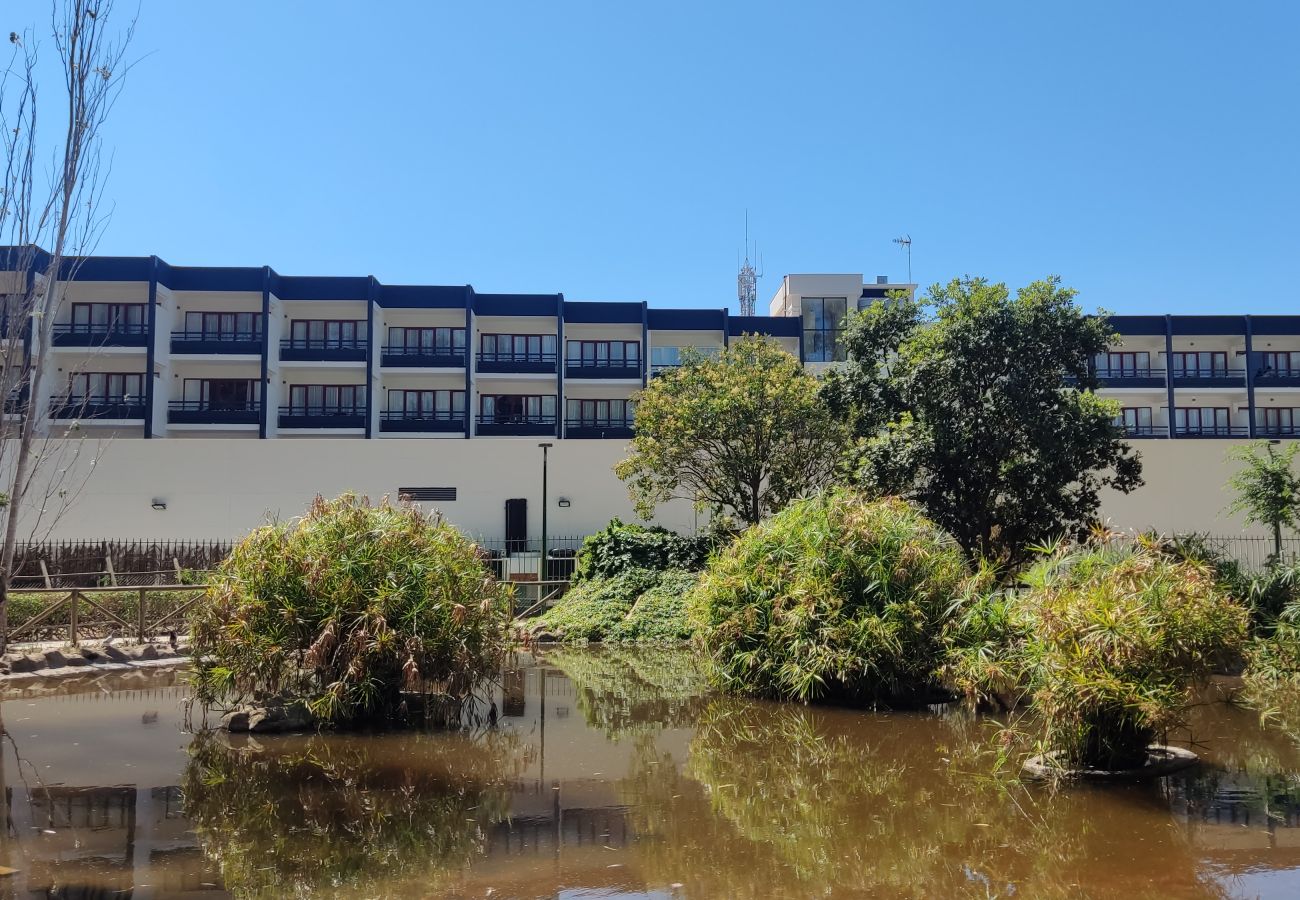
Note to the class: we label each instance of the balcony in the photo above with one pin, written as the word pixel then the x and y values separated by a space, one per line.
pixel 1212 431
pixel 1273 378
pixel 522 363
pixel 516 425
pixel 1209 378
pixel 398 356
pixel 1131 378
pixel 608 429
pixel 324 349
pixel 603 368
pixel 68 334
pixel 1146 431
pixel 399 421
pixel 322 417
pixel 206 412
pixel 96 408
pixel 1277 431
pixel 245 343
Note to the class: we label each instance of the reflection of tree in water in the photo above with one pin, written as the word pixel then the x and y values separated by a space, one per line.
pixel 345 816
pixel 790 801
pixel 631 690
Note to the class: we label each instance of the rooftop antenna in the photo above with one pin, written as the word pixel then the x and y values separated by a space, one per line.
pixel 906 242
pixel 747 280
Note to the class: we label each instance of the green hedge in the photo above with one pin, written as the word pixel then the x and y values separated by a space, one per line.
pixel 620 548
pixel 637 606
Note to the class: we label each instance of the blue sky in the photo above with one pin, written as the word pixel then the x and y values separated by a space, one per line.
pixel 1146 152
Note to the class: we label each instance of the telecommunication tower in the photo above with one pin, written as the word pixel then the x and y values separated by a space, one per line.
pixel 747 280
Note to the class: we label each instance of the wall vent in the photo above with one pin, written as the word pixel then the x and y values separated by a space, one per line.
pixel 427 494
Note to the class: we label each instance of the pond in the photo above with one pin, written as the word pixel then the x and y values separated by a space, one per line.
pixel 615 774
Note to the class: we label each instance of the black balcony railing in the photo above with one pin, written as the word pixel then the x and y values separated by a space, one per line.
pixel 97 408
pixel 323 416
pixel 1211 431
pixel 602 368
pixel 1145 431
pixel 516 424
pixel 207 412
pixel 1124 374
pixel 107 334
pixel 398 355
pixel 1277 430
pixel 597 428
pixel 1212 377
pixel 516 363
pixel 403 420
pixel 324 349
pixel 242 342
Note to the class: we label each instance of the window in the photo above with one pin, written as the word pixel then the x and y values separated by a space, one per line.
pixel 1202 420
pixel 1124 365
pixel 1279 363
pixel 223 393
pixel 106 387
pixel 517 408
pixel 603 354
pixel 212 326
pixel 823 325
pixel 419 404
pixel 517 347
pixel 426 341
pixel 1200 365
pixel 1277 420
pixel 1135 419
pixel 128 318
pixel 327 399
pixel 671 357
pixel 600 413
pixel 327 334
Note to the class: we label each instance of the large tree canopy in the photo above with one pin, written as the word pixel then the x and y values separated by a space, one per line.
pixel 980 406
pixel 743 433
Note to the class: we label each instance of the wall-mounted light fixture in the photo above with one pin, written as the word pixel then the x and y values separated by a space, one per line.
pixel 159 503
pixel 564 501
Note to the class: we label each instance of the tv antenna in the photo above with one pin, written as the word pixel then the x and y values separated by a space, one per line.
pixel 906 242
pixel 747 280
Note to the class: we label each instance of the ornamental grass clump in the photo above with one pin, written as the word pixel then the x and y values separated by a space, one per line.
pixel 836 597
pixel 365 612
pixel 1107 642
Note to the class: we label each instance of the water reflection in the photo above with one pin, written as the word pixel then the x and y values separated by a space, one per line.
pixel 616 775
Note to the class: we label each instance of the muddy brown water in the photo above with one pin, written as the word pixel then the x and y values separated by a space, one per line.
pixel 614 775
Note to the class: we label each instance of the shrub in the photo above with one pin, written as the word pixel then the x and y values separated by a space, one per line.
pixel 354 608
pixel 638 605
pixel 835 597
pixel 1107 641
pixel 619 548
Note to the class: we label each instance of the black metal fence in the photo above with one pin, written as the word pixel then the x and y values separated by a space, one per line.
pixel 1253 553
pixel 74 564
pixel 521 560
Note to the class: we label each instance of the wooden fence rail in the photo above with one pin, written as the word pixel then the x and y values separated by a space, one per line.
pixel 91 601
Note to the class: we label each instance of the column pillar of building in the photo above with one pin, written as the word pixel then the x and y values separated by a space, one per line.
pixel 1250 377
pixel 1169 372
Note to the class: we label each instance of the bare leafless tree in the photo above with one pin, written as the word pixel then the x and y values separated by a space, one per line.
pixel 51 219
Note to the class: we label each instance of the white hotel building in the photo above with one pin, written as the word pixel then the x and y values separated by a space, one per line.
pixel 192 387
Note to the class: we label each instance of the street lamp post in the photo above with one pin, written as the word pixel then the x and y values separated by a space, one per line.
pixel 541 572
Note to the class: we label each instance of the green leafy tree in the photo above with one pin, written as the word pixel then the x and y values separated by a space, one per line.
pixel 1268 488
pixel 745 432
pixel 980 406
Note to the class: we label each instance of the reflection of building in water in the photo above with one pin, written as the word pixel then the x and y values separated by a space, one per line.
pixel 1230 818
pixel 513 703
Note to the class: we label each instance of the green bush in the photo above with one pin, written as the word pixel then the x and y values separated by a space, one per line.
pixel 619 548
pixel 836 598
pixel 1107 642
pixel 638 605
pixel 354 608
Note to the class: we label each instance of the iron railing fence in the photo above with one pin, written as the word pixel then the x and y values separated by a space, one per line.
pixel 1252 552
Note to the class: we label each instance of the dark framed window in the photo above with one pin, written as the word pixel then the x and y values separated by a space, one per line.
pixel 223 393
pixel 422 404
pixel 518 347
pixel 524 408
pixel 106 387
pixel 327 399
pixel 1278 419
pixel 428 341
pixel 216 326
pixel 1280 362
pixel 603 354
pixel 823 327
pixel 106 316
pixel 1203 419
pixel 327 334
pixel 600 413
pixel 1200 363
pixel 1124 364
pixel 1135 419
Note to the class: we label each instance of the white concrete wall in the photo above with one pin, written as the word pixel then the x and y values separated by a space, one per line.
pixel 221 488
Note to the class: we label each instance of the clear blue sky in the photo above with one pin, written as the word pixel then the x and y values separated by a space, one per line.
pixel 1146 152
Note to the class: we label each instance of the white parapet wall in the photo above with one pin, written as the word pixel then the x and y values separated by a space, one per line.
pixel 217 488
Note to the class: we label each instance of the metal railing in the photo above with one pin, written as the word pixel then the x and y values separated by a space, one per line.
pixel 323 410
pixel 431 415
pixel 1111 374
pixel 217 337
pixel 359 343
pixel 214 406
pixel 510 356
pixel 1211 431
pixel 99 328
